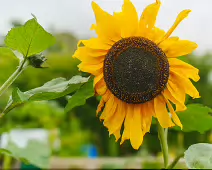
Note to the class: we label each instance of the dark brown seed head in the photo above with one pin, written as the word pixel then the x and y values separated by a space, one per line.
pixel 136 70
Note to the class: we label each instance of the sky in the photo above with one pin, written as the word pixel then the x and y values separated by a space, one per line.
pixel 76 16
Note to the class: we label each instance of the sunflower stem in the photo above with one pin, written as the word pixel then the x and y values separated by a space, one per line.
pixel 162 135
pixel 7 160
pixel 172 165
pixel 166 133
pixel 13 77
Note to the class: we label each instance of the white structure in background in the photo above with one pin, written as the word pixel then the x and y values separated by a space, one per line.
pixel 21 137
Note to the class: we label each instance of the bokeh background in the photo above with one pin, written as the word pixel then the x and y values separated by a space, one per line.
pixel 79 135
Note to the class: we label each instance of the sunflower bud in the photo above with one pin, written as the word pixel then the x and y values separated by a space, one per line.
pixel 37 60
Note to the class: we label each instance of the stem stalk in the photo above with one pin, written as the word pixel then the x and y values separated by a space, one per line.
pixel 164 145
pixel 13 77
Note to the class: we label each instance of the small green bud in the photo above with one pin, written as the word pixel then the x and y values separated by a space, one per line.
pixel 37 60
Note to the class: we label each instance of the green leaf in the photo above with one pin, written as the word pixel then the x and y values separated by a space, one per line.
pixel 5 151
pixel 4 51
pixel 36 153
pixel 29 39
pixel 79 98
pixel 53 89
pixel 196 118
pixel 199 156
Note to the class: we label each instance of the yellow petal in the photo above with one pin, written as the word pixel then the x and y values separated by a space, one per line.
pixel 180 106
pixel 147 111
pixel 110 108
pixel 107 95
pixel 84 57
pixel 179 48
pixel 117 134
pixel 100 106
pixel 181 16
pixel 82 52
pixel 162 113
pixel 127 122
pixel 88 55
pixel 112 111
pixel 148 121
pixel 129 20
pixel 93 27
pixel 185 84
pixel 95 43
pixel 94 69
pixel 156 35
pixel 136 134
pixel 98 78
pixel 92 60
pixel 116 121
pixel 101 87
pixel 150 108
pixel 176 91
pixel 174 115
pixel 182 67
pixel 106 26
pixel 148 18
pixel 118 17
pixel 167 43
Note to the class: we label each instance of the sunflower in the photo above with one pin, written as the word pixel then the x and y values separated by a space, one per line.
pixel 137 71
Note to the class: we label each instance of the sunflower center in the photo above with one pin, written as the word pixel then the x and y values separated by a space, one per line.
pixel 136 70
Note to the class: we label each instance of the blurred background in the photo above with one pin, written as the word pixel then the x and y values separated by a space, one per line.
pixel 79 135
